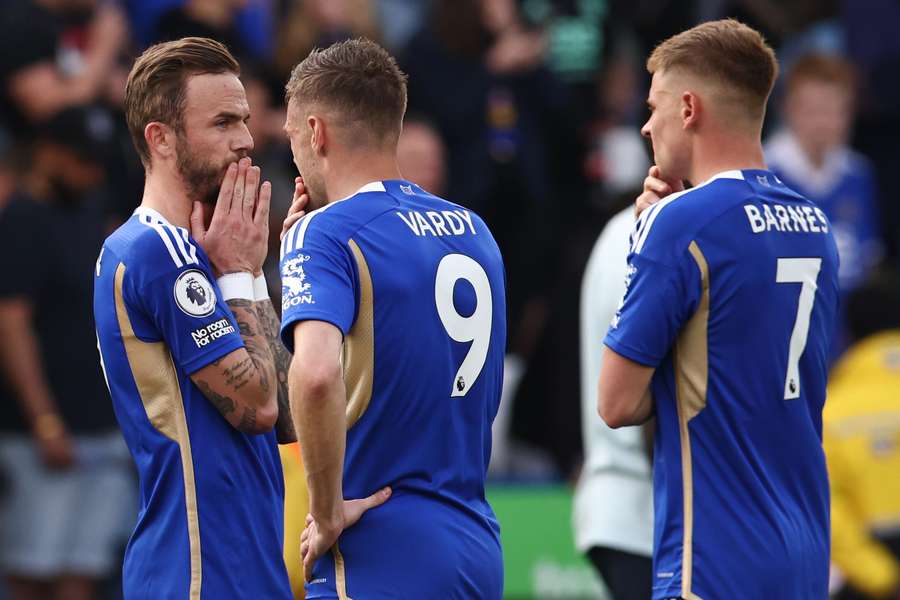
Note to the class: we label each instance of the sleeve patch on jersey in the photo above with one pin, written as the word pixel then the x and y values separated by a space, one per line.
pixel 295 290
pixel 194 294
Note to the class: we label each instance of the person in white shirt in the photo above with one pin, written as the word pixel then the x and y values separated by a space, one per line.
pixel 613 511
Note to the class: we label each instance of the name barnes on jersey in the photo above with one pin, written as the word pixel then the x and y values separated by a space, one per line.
pixel 785 218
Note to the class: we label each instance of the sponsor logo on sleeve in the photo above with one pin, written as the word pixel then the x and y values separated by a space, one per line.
pixel 295 290
pixel 194 294
pixel 211 332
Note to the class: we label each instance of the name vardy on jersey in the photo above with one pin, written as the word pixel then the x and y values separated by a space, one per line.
pixel 437 224
pixel 786 218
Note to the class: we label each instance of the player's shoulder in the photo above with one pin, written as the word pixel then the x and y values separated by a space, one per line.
pixel 338 220
pixel 150 246
pixel 672 223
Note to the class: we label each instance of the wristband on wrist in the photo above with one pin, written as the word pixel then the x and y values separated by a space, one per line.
pixel 260 289
pixel 236 286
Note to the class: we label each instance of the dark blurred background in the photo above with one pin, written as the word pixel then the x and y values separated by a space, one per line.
pixel 526 111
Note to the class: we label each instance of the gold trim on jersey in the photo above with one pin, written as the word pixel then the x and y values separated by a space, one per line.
pixel 157 383
pixel 359 345
pixel 691 380
pixel 340 573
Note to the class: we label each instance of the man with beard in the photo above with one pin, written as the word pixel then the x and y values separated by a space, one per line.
pixel 189 339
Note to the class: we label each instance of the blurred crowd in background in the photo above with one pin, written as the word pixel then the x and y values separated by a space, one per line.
pixel 527 111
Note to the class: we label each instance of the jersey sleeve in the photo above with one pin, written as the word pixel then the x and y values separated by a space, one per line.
pixel 661 295
pixel 183 306
pixel 318 279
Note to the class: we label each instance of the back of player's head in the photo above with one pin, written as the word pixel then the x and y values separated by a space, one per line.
pixel 155 90
pixel 825 68
pixel 360 83
pixel 727 53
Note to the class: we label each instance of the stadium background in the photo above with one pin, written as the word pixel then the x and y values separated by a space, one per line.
pixel 525 111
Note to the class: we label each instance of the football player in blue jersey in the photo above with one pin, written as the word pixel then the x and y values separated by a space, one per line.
pixel 189 339
pixel 724 334
pixel 394 306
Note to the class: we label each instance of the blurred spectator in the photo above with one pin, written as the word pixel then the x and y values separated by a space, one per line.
pixel 811 155
pixel 319 23
pixel 514 154
pixel 401 19
pixel 216 19
pixel 874 46
pixel 862 444
pixel 613 511
pixel 55 54
pixel 70 479
pixel 421 155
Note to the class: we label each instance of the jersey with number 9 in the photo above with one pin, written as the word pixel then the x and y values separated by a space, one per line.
pixel 732 297
pixel 416 286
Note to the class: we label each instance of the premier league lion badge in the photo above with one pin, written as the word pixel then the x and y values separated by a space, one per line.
pixel 194 294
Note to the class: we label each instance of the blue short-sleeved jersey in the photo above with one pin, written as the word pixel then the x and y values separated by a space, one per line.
pixel 416 285
pixel 732 296
pixel 210 524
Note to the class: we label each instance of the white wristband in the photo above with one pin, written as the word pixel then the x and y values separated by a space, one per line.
pixel 236 286
pixel 260 289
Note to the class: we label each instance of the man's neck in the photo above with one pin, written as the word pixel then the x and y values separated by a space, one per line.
pixel 726 153
pixel 357 170
pixel 167 197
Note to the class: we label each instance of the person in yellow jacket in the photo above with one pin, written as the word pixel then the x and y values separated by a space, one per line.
pixel 862 444
pixel 296 505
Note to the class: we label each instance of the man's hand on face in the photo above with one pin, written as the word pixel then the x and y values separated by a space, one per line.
pixel 655 189
pixel 298 206
pixel 238 231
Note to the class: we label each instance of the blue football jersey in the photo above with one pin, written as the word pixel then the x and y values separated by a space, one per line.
pixel 732 296
pixel 210 524
pixel 416 285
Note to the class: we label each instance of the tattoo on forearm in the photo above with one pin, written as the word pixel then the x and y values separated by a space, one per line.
pixel 255 342
pixel 268 320
pixel 248 420
pixel 223 404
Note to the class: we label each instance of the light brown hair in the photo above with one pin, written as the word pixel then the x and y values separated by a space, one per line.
pixel 822 67
pixel 360 81
pixel 156 85
pixel 724 51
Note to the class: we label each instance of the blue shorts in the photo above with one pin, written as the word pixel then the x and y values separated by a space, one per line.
pixel 413 548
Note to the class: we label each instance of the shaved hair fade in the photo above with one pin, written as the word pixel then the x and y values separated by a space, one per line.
pixel 358 80
pixel 725 52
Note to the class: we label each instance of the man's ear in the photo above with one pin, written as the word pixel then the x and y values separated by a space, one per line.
pixel 160 138
pixel 691 108
pixel 318 139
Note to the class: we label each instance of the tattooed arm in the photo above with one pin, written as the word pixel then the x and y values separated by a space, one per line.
pixel 242 384
pixel 284 426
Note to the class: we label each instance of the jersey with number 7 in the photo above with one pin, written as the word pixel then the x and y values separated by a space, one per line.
pixel 732 295
pixel 416 285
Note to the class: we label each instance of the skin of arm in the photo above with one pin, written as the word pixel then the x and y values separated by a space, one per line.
pixel 623 392
pixel 21 363
pixel 284 426
pixel 318 403
pixel 242 384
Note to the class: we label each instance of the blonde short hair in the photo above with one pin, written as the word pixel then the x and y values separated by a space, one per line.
pixel 725 51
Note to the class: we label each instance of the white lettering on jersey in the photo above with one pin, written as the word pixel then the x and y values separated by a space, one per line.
pixel 790 219
pixel 438 224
